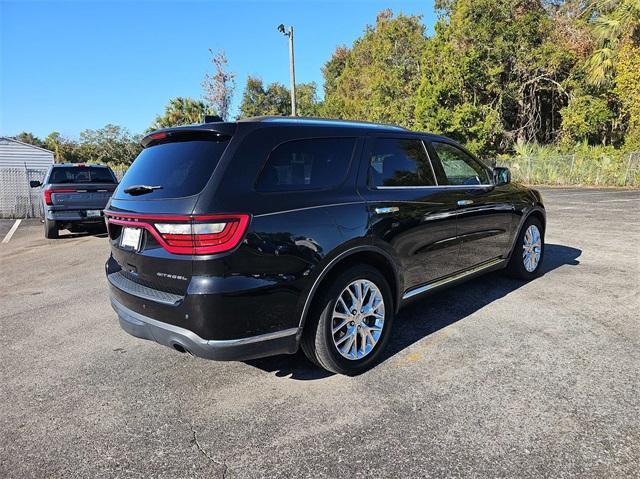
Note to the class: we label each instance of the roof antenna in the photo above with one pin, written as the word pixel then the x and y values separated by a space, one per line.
pixel 212 119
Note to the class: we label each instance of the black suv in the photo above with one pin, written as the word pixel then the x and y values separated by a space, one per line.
pixel 233 241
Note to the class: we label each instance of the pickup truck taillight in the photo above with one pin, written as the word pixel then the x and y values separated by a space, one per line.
pixel 48 193
pixel 194 234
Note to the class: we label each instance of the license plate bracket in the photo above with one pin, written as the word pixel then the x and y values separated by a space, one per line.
pixel 130 238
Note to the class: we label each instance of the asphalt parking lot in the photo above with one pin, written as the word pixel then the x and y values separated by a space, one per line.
pixel 493 378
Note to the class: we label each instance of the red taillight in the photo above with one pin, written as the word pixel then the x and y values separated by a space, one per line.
pixel 48 193
pixel 195 234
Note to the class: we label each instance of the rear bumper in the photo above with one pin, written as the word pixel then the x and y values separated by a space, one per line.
pixel 73 216
pixel 138 325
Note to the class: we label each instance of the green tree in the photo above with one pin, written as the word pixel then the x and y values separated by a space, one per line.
pixel 275 99
pixel 332 69
pixel 254 100
pixel 586 118
pixel 332 106
pixel 493 74
pixel 258 100
pixel 627 89
pixel 30 138
pixel 615 22
pixel 182 111
pixel 64 149
pixel 307 102
pixel 378 77
pixel 112 145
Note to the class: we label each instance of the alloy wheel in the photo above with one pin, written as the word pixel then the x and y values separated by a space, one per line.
pixel 531 248
pixel 358 319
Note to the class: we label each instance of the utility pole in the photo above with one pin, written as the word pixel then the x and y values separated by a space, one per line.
pixel 292 68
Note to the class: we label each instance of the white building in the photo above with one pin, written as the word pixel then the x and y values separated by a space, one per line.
pixel 15 154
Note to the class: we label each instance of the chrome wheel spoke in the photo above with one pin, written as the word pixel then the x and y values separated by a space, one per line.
pixel 346 349
pixel 343 339
pixel 531 248
pixel 364 291
pixel 344 322
pixel 354 299
pixel 370 337
pixel 343 304
pixel 358 319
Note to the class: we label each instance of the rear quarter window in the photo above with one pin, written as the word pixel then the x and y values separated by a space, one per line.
pixel 307 164
pixel 181 168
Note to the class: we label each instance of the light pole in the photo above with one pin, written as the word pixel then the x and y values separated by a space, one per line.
pixel 292 68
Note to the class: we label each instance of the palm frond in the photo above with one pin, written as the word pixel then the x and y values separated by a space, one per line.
pixel 601 66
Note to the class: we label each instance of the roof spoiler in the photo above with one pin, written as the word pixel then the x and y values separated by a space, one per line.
pixel 207 131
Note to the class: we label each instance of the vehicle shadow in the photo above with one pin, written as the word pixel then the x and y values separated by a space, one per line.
pixel 98 232
pixel 426 316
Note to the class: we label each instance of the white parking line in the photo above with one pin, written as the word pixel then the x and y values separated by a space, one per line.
pixel 11 231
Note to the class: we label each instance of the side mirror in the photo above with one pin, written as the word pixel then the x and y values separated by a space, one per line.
pixel 34 183
pixel 501 175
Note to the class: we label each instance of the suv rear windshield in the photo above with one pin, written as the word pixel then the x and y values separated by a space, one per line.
pixel 81 174
pixel 181 168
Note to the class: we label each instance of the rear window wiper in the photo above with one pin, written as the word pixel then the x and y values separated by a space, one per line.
pixel 136 190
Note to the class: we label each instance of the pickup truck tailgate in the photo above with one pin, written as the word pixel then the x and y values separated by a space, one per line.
pixel 81 197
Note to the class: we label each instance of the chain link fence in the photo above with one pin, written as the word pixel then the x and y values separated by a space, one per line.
pixel 119 172
pixel 575 169
pixel 18 200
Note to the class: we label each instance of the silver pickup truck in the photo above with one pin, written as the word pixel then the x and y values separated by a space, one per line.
pixel 73 197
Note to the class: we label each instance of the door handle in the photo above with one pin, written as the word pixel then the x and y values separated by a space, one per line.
pixel 465 202
pixel 386 210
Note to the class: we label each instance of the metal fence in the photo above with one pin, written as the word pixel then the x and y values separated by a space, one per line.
pixel 119 172
pixel 575 169
pixel 17 199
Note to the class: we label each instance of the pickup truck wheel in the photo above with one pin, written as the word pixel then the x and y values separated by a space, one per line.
pixel 50 229
pixel 350 323
pixel 528 252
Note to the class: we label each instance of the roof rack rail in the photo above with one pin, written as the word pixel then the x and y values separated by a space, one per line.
pixel 323 121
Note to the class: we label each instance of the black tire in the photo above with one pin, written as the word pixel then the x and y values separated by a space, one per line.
pixel 50 229
pixel 317 339
pixel 516 267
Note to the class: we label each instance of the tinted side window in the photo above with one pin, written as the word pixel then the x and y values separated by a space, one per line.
pixel 400 162
pixel 309 164
pixel 460 168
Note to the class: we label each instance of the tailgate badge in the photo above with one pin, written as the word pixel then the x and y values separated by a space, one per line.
pixel 171 276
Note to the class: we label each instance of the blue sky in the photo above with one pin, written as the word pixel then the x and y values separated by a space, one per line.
pixel 69 66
